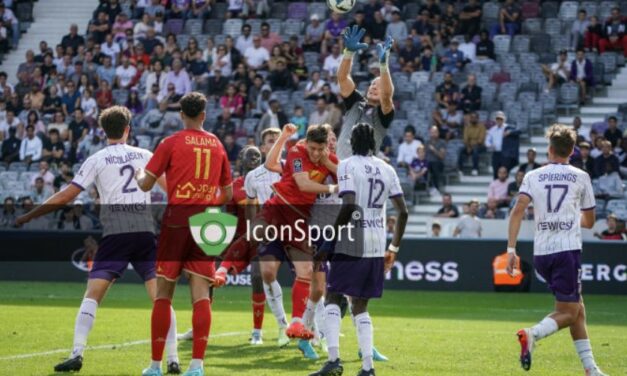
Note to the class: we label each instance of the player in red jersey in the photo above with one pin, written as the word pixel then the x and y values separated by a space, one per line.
pixel 307 166
pixel 198 175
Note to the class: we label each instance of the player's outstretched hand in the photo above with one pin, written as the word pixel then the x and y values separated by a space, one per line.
pixel 388 261
pixel 219 278
pixel 290 129
pixel 511 264
pixel 21 220
pixel 384 48
pixel 352 36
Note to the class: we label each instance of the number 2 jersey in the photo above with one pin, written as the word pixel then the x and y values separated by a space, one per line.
pixel 372 181
pixel 196 169
pixel 559 193
pixel 124 207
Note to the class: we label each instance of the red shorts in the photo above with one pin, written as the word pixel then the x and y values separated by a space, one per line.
pixel 178 252
pixel 288 220
pixel 238 255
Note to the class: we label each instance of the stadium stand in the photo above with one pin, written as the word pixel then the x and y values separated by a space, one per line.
pixel 146 54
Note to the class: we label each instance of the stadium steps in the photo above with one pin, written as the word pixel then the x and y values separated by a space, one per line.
pixel 52 22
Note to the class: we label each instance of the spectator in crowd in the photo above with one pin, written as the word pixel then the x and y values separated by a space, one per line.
pixel 300 121
pixel 578 29
pixel 449 121
pixel 332 62
pixel 217 84
pixel 615 38
pixel 378 27
pixel 531 164
pixel 11 147
pixel 104 95
pixel 257 57
pixel 470 18
pixel 321 113
pixel 281 78
pixel 397 28
pixel 53 149
pixel 224 125
pixel 74 218
pixel 491 211
pixel 334 26
pixel 111 49
pixel 474 139
pixel 124 74
pixel 509 20
pixel 607 158
pixel 232 149
pixel 448 210
pixel 274 117
pixel 498 189
pixel 106 72
pixel 11 122
pixel 514 187
pixel 5 44
pixel 612 232
pixel 71 99
pixel 577 127
pixel 436 151
pixel 453 59
pixel 33 120
pixel 200 9
pixel 558 72
pixel 581 73
pixel 470 98
pixel 485 48
pixel 436 229
pixel 314 34
pixel 613 134
pixel 269 39
pixel 40 192
pixel 388 10
pixel 8 18
pixel 313 88
pixel 179 78
pixel 494 141
pixel 409 56
pixel 140 30
pixel 8 213
pixel 58 123
pixel 469 49
pixel 407 149
pixel 593 34
pixel 422 26
pixel 584 161
pixel 390 224
pixel 232 101
pixel 419 169
pixel 31 147
pixel 469 225
pixel 154 8
pixel 78 131
pixel 609 185
pixel 447 91
pixel 245 39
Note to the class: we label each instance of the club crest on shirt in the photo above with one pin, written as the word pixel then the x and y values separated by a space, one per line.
pixel 298 165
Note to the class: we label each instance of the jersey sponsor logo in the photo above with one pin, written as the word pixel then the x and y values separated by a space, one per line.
pixel 298 165
pixel 555 225
pixel 370 223
pixel 197 192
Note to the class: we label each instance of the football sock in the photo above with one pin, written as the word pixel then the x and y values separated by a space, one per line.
pixel 259 304
pixel 319 319
pixel 195 363
pixel 84 322
pixel 170 341
pixel 544 328
pixel 333 322
pixel 201 323
pixel 584 350
pixel 364 338
pixel 308 316
pixel 160 324
pixel 300 293
pixel 274 297
pixel 155 364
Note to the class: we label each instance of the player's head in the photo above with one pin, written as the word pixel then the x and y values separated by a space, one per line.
pixel 268 138
pixel 373 95
pixel 473 207
pixel 316 141
pixel 250 158
pixel 115 121
pixel 561 141
pixel 362 139
pixel 331 139
pixel 193 110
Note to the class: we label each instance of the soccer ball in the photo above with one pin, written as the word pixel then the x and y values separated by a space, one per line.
pixel 341 6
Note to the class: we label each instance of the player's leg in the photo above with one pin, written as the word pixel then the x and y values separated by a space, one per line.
pixel 363 324
pixel 259 301
pixel 316 293
pixel 201 321
pixel 170 342
pixel 333 324
pixel 376 355
pixel 579 334
pixel 160 323
pixel 270 257
pixel 303 267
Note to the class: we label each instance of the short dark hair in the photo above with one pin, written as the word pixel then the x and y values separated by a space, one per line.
pixel 562 139
pixel 193 104
pixel 265 24
pixel 362 139
pixel 114 121
pixel 317 133
pixel 53 131
pixel 612 118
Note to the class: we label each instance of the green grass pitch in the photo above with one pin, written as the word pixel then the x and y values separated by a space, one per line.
pixel 423 333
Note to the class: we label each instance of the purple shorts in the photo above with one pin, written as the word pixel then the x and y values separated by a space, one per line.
pixel 562 273
pixel 274 249
pixel 357 277
pixel 116 251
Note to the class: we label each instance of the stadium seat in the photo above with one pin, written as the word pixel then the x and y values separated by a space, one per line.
pixel 233 27
pixel 560 42
pixel 568 10
pixel 605 9
pixel 530 9
pixel 297 11
pixel 410 11
pixel 501 44
pixel 320 9
pixel 249 125
pixel 532 26
pixel 549 9
pixel 591 7
pixel 173 26
pixel 18 167
pixel 568 97
pixel 275 25
pixel 24 11
pixel 218 10
pixel 255 25
pixel 490 11
pixel 213 27
pixel 293 27
pixel 193 26
pixel 521 44
pixel 120 96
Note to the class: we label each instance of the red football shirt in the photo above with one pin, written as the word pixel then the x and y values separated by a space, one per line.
pixel 298 161
pixel 196 168
pixel 237 205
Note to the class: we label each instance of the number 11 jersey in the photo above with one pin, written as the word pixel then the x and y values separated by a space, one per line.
pixel 559 193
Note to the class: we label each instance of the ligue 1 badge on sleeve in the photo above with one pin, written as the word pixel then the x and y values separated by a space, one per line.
pixel 213 230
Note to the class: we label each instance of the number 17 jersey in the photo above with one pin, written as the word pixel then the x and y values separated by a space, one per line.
pixel 559 193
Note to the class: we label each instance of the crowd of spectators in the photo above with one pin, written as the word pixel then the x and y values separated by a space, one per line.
pixel 146 54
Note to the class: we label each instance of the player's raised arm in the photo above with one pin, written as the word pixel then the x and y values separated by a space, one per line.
pixel 386 85
pixel 515 219
pixel 53 203
pixel 273 158
pixel 351 36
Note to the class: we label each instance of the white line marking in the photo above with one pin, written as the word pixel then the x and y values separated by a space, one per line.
pixel 110 346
